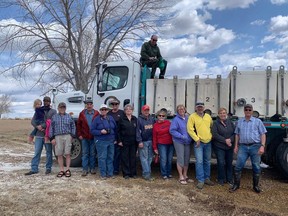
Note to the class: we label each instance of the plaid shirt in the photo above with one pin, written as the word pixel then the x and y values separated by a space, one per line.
pixel 62 124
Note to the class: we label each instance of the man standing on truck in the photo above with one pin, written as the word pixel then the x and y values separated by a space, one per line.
pixel 199 128
pixel 84 122
pixel 151 57
pixel 250 142
pixel 39 140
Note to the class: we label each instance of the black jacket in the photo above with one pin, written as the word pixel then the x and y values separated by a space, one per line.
pixel 127 130
pixel 221 132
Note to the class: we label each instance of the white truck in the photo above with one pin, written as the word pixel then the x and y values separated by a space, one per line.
pixel 129 83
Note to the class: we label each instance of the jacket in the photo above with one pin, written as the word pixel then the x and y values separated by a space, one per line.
pixel 144 128
pixel 127 130
pixel 82 125
pixel 148 50
pixel 221 132
pixel 178 130
pixel 161 134
pixel 107 123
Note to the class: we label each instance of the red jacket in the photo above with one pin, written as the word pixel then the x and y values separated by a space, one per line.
pixel 161 134
pixel 82 125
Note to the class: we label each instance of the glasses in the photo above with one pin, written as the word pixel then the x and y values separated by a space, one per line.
pixel 114 104
pixel 163 116
pixel 248 110
pixel 154 40
pixel 103 109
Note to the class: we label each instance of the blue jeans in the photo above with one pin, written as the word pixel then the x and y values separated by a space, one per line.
pixel 146 156
pixel 105 151
pixel 224 164
pixel 38 146
pixel 203 158
pixel 117 159
pixel 248 151
pixel 88 154
pixel 166 157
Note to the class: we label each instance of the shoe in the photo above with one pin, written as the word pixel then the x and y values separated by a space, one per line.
pixel 103 177
pixel 149 179
pixel 93 171
pixel 221 182
pixel 84 173
pixel 209 182
pixel 115 173
pixel 48 172
pixel 188 180
pixel 126 177
pixel 161 77
pixel 30 173
pixel 256 187
pixel 170 176
pixel 68 173
pixel 165 178
pixel 182 181
pixel 134 176
pixel 112 177
pixel 200 185
pixel 236 184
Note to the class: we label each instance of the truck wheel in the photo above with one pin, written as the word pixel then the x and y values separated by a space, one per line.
pixel 282 158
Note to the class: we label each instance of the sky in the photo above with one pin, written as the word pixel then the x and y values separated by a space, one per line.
pixel 203 37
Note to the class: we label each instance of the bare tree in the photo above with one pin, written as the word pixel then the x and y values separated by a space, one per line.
pixel 69 37
pixel 5 104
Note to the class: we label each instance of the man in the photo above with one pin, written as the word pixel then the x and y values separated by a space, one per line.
pixel 250 142
pixel 199 128
pixel 144 139
pixel 151 56
pixel 116 113
pixel 61 131
pixel 84 122
pixel 39 140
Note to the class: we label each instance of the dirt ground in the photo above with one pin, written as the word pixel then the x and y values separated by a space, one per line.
pixel 46 194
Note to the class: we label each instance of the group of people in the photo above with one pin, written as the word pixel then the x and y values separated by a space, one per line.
pixel 117 135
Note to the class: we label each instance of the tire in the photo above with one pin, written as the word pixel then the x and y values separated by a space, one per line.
pixel 282 158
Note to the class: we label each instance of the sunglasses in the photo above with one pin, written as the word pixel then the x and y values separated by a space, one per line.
pixel 161 115
pixel 114 104
pixel 154 40
pixel 103 109
pixel 248 110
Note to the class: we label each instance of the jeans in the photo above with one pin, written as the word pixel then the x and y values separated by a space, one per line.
pixel 117 159
pixel 203 158
pixel 224 164
pixel 248 151
pixel 38 146
pixel 166 157
pixel 146 156
pixel 105 151
pixel 88 154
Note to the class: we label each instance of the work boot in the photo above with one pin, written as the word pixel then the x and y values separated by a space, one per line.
pixel 256 178
pixel 236 185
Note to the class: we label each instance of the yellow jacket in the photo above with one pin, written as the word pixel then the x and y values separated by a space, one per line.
pixel 202 125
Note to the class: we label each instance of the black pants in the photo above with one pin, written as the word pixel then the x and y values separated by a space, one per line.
pixel 128 159
pixel 154 65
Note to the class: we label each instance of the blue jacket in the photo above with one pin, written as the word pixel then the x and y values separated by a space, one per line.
pixel 178 130
pixel 107 123
pixel 144 128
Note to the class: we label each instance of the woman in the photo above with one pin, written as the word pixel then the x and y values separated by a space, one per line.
pixel 223 143
pixel 127 140
pixel 104 130
pixel 163 144
pixel 182 141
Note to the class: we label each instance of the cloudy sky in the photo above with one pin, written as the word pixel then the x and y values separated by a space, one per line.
pixel 204 37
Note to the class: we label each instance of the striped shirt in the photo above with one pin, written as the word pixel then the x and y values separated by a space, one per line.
pixel 250 131
pixel 62 124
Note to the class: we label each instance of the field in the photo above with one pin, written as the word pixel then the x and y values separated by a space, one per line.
pixel 42 194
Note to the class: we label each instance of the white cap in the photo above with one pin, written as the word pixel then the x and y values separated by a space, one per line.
pixel 103 106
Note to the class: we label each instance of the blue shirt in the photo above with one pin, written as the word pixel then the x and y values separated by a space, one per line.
pixel 250 131
pixel 62 124
pixel 89 117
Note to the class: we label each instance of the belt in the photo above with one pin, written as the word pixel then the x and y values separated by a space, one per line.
pixel 247 144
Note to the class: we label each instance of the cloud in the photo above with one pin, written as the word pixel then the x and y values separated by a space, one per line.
pixel 279 24
pixel 258 22
pixel 279 2
pixel 224 4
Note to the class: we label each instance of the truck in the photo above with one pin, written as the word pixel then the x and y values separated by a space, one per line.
pixel 130 83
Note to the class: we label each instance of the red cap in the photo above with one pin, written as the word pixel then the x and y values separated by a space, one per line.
pixel 145 107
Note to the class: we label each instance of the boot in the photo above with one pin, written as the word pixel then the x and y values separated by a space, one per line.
pixel 236 185
pixel 256 178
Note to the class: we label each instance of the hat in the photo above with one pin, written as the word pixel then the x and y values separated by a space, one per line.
pixel 199 104
pixel 145 107
pixel 114 100
pixel 62 104
pixel 46 98
pixel 88 101
pixel 248 106
pixel 103 106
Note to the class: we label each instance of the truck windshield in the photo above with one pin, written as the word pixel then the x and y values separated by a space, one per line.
pixel 114 78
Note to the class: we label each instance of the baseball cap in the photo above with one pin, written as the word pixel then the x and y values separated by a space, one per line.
pixel 62 104
pixel 46 98
pixel 88 101
pixel 199 104
pixel 114 101
pixel 248 106
pixel 145 107
pixel 103 106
